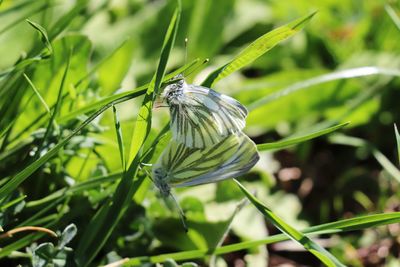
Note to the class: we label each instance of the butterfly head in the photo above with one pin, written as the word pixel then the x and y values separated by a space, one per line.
pixel 159 176
pixel 173 93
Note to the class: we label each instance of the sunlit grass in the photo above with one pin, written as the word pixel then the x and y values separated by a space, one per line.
pixel 78 124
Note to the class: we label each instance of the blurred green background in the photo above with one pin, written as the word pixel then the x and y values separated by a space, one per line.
pixel 341 67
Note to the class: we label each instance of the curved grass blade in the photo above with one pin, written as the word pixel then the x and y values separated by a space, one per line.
pixel 31 168
pixel 322 254
pixel 45 38
pixel 46 107
pixel 102 225
pixel 119 138
pixel 336 75
pixel 117 98
pixel 300 139
pixel 106 100
pixel 358 142
pixel 256 49
pixel 11 203
pixel 143 121
pixel 52 122
pixel 358 223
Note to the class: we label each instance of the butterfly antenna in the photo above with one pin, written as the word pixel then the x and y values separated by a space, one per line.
pixel 186 52
pixel 181 213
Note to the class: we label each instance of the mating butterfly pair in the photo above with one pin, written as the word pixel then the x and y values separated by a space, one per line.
pixel 207 140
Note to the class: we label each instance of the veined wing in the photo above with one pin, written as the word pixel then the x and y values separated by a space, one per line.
pixel 233 156
pixel 204 117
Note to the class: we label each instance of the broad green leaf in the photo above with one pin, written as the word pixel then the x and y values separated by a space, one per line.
pixel 257 49
pixel 297 140
pixel 322 254
pixel 114 68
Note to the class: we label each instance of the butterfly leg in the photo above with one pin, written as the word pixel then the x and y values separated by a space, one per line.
pixel 181 213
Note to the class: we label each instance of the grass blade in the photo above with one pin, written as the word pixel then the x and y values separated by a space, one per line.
pixel 392 14
pixel 57 106
pixel 106 100
pixel 45 38
pixel 257 49
pixel 300 139
pixel 143 122
pixel 352 224
pixel 31 168
pixel 322 254
pixel 102 225
pixel 336 75
pixel 38 94
pixel 381 158
pixel 397 141
pixel 119 138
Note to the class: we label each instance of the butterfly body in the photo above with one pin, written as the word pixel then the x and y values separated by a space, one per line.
pixel 201 117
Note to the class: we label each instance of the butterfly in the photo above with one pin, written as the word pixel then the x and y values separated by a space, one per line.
pixel 201 117
pixel 180 165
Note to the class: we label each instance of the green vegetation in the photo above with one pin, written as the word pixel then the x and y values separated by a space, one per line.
pixel 79 125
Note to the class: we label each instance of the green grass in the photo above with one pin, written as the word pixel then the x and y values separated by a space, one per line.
pixel 78 126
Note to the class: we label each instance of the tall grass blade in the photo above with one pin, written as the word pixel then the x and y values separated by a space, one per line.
pixel 37 93
pixel 31 168
pixel 300 139
pixel 143 122
pixel 392 14
pixel 398 142
pixel 134 93
pixel 256 49
pixel 100 228
pixel 353 224
pixel 322 254
pixel 45 38
pixel 336 75
pixel 358 142
pixel 52 122
pixel 119 138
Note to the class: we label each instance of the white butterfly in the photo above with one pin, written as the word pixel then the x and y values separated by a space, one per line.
pixel 201 117
pixel 180 165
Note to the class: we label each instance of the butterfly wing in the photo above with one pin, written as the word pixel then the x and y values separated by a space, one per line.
pixel 204 117
pixel 233 156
